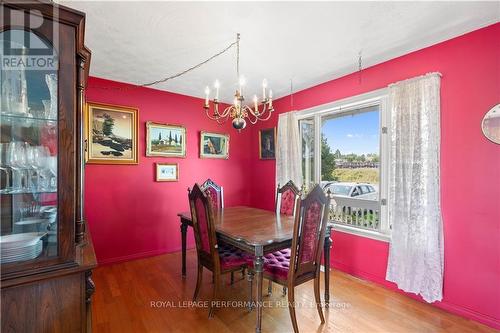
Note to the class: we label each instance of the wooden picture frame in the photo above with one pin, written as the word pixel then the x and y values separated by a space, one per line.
pixel 267 144
pixel 171 144
pixel 111 134
pixel 167 172
pixel 214 145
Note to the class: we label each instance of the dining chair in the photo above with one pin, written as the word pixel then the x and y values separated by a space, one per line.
pixel 286 203
pixel 214 192
pixel 301 263
pixel 286 198
pixel 217 259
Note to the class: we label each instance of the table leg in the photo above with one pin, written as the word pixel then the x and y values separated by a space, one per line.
pixel 183 240
pixel 326 253
pixel 258 269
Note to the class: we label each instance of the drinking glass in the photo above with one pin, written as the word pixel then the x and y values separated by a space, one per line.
pixel 41 157
pixel 4 168
pixel 15 159
pixel 31 167
pixel 52 166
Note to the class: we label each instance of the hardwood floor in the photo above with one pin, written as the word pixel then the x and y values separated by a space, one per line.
pixel 149 295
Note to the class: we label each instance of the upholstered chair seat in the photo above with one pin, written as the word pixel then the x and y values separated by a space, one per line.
pixel 276 264
pixel 231 257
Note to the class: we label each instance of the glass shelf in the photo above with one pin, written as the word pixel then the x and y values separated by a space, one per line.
pixel 20 117
pixel 29 192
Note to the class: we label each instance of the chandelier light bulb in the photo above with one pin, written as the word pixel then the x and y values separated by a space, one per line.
pixel 216 85
pixel 207 92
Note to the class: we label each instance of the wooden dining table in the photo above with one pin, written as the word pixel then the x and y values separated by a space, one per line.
pixel 257 232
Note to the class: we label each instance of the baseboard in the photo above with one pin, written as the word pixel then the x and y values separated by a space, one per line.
pixel 444 305
pixel 134 256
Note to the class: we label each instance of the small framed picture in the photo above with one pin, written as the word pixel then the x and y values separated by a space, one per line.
pixel 267 144
pixel 167 172
pixel 165 140
pixel 111 134
pixel 214 145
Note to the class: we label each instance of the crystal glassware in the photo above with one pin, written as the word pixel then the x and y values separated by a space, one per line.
pixel 51 80
pixel 4 169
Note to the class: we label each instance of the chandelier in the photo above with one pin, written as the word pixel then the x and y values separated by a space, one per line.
pixel 260 110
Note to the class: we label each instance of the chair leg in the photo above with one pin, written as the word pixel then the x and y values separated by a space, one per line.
pixel 198 282
pixel 250 285
pixel 270 288
pixel 284 291
pixel 214 296
pixel 318 299
pixel 232 277
pixel 243 272
pixel 291 308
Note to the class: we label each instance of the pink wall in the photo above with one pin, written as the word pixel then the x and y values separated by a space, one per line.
pixel 470 168
pixel 129 214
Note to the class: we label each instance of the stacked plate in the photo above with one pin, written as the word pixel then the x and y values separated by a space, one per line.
pixel 20 247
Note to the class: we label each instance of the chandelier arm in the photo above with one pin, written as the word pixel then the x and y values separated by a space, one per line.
pixel 261 114
pixel 251 112
pixel 216 115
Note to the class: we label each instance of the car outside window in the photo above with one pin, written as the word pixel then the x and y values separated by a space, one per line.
pixel 340 189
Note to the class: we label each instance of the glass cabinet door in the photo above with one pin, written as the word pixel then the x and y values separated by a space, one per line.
pixel 28 150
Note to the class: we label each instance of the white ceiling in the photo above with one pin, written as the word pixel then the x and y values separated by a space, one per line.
pixel 309 42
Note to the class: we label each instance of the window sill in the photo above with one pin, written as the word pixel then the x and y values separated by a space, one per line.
pixel 363 233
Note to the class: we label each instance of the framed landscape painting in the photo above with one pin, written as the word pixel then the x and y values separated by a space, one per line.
pixel 111 134
pixel 165 140
pixel 267 144
pixel 214 145
pixel 167 172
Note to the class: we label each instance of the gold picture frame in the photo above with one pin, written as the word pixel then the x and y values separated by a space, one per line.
pixel 111 134
pixel 167 172
pixel 267 143
pixel 171 144
pixel 214 145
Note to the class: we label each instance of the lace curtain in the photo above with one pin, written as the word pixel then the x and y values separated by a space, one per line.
pixel 416 249
pixel 288 160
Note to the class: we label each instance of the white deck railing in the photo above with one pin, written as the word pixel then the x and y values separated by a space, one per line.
pixel 361 213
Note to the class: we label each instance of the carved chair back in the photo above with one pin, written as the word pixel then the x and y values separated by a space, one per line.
pixel 202 214
pixel 286 198
pixel 214 192
pixel 308 236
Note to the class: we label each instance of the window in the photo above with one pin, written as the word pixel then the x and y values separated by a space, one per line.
pixel 345 150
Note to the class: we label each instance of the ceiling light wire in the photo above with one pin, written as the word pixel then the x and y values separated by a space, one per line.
pixel 148 84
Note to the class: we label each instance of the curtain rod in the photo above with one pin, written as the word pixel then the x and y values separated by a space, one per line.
pixel 417 78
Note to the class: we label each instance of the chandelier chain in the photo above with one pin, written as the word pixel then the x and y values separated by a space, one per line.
pixel 148 84
pixel 238 56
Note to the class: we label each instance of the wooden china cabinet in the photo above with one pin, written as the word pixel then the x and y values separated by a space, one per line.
pixel 46 254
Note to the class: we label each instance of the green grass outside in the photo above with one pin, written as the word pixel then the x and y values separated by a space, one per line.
pixel 359 175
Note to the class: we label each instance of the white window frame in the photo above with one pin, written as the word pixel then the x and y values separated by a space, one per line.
pixel 377 97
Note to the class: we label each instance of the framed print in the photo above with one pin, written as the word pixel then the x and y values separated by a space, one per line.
pixel 165 140
pixel 111 134
pixel 167 172
pixel 214 145
pixel 267 144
